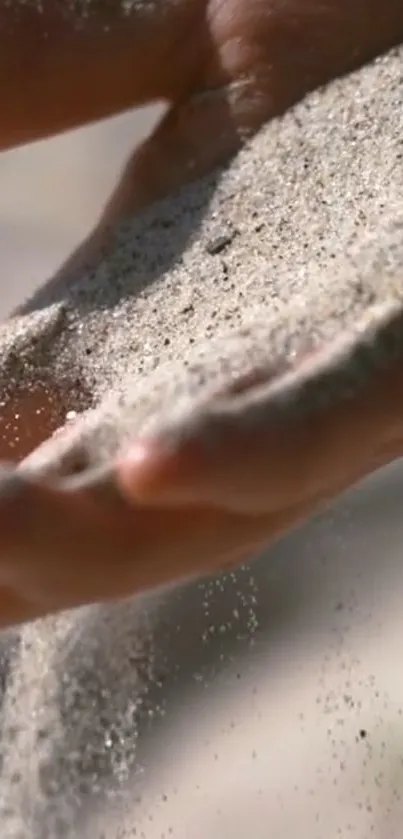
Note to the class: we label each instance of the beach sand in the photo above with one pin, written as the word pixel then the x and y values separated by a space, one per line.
pixel 142 719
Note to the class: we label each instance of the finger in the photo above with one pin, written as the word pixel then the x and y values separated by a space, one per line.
pixel 55 553
pixel 254 467
pixel 64 65
pixel 177 152
pixel 62 549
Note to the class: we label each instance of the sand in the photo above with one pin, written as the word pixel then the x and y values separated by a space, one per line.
pixel 300 237
pixel 305 254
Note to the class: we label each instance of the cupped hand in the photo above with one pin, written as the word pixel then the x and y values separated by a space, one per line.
pixel 186 509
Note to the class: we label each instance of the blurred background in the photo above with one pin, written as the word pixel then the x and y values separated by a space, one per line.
pixel 284 714
pixel 51 194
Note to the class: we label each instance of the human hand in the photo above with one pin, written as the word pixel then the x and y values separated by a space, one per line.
pixel 188 505
pixel 192 512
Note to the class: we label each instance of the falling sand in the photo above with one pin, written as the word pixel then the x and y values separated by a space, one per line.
pixel 299 239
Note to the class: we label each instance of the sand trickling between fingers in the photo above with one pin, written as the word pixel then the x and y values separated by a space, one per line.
pixel 294 242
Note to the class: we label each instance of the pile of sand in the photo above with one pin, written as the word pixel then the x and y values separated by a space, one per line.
pixel 298 238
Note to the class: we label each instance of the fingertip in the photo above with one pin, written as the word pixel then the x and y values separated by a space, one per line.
pixel 143 471
pixel 151 472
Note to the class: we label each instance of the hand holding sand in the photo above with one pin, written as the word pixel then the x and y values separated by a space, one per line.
pixel 64 547
pixel 212 489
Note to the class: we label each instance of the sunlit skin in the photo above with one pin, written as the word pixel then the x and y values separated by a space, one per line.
pixel 184 512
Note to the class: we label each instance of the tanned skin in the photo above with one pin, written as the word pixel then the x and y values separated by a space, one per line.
pixel 232 64
pixel 228 63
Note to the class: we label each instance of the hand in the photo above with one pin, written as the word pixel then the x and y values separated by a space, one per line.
pixel 188 509
pixel 234 65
